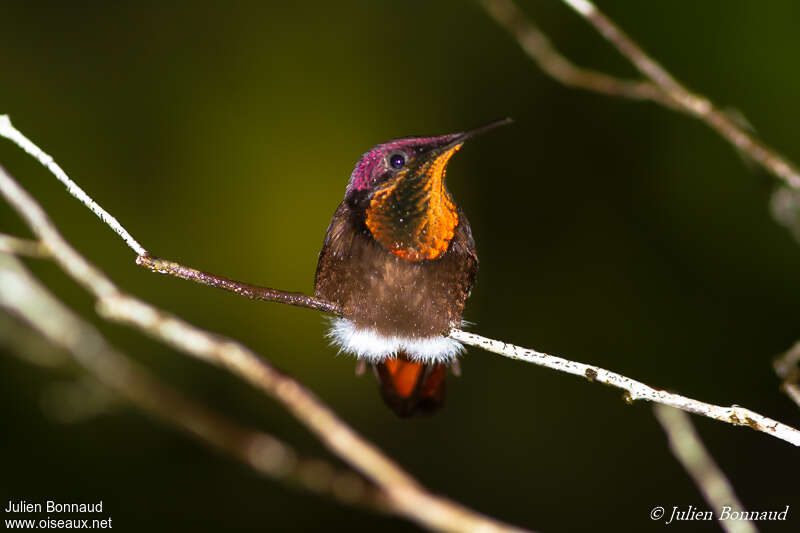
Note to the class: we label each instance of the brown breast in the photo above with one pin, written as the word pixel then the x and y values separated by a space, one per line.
pixel 380 291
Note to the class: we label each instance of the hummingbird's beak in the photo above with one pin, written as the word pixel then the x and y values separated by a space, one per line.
pixel 459 138
pixel 439 155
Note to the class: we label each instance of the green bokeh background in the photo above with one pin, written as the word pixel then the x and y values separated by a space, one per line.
pixel 610 232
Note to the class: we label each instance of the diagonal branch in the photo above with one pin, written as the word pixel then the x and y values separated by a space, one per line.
pixel 252 292
pixel 672 93
pixel 404 495
pixel 635 390
pixel 24 296
pixel 688 449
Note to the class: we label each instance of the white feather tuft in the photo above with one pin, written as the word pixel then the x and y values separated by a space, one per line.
pixel 374 347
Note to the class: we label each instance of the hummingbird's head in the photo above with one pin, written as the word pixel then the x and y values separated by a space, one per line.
pixel 399 186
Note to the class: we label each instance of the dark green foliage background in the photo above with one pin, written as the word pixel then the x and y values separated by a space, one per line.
pixel 610 232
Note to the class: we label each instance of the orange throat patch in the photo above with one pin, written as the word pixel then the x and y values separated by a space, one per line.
pixel 413 216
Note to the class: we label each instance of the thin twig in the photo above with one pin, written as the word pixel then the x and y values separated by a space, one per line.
pixel 786 367
pixel 24 296
pixel 18 246
pixel 252 292
pixel 13 134
pixel 404 495
pixel 635 390
pixel 674 94
pixel 688 449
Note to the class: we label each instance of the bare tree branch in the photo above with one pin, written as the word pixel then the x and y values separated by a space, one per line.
pixel 404 495
pixel 673 94
pixel 18 246
pixel 252 292
pixel 688 449
pixel 635 390
pixel 536 44
pixel 24 296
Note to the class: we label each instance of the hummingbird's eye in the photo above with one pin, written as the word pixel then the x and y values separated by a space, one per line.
pixel 397 161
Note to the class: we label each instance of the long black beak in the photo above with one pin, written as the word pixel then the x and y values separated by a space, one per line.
pixel 459 138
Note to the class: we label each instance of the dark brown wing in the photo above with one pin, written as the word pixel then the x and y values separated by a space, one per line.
pixel 411 388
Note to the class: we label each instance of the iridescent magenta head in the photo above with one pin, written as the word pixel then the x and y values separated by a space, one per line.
pixel 404 154
pixel 388 158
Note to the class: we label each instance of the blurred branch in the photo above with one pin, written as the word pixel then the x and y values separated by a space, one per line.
pixel 635 390
pixel 17 246
pixel 404 495
pixel 786 367
pixel 27 345
pixel 688 449
pixel 24 296
pixel 661 88
pixel 553 63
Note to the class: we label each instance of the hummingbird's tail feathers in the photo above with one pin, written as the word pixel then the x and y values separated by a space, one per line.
pixel 411 388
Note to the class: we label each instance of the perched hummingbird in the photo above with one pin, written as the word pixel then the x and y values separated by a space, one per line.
pixel 399 261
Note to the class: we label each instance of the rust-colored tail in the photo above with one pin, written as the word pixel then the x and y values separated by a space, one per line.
pixel 411 388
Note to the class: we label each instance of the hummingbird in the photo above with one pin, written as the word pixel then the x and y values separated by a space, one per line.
pixel 399 261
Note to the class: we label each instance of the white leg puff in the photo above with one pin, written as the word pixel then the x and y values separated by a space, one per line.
pixel 374 347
